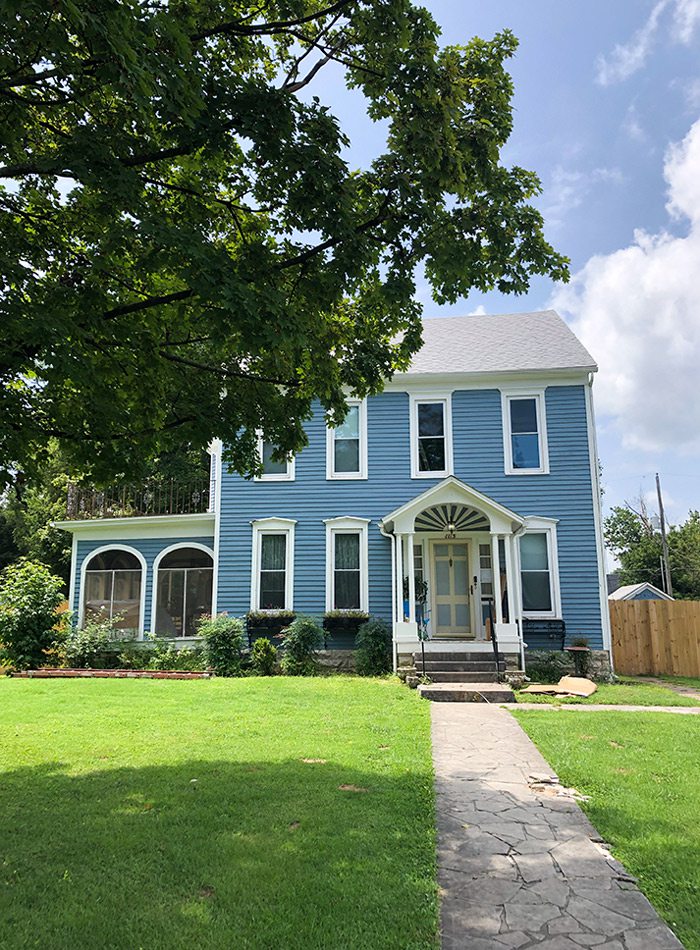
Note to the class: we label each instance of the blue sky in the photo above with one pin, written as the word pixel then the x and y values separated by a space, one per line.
pixel 607 97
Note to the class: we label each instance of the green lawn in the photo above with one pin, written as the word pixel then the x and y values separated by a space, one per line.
pixel 642 772
pixel 159 814
pixel 632 693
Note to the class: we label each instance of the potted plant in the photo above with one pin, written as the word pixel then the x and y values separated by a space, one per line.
pixel 267 623
pixel 340 627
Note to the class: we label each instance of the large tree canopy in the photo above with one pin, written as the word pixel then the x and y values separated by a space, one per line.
pixel 636 543
pixel 186 252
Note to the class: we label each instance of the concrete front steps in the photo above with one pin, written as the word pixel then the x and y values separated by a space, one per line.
pixel 462 678
pixel 467 693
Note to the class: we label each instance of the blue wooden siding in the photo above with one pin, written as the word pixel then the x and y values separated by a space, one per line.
pixel 150 548
pixel 565 494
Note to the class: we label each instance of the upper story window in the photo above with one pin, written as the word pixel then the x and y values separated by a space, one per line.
pixel 274 470
pixel 431 443
pixel 539 572
pixel 525 436
pixel 346 449
pixel 273 564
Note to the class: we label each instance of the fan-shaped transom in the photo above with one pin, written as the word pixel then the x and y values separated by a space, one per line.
pixel 461 517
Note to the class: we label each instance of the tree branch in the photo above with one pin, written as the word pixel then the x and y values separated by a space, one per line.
pixel 227 373
pixel 238 28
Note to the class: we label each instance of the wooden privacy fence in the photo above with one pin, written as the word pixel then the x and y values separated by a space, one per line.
pixel 656 636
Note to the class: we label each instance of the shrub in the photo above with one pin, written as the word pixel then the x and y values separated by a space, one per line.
pixel 263 658
pixel 90 646
pixel 373 653
pixel 30 596
pixel 166 656
pixel 223 644
pixel 548 666
pixel 302 638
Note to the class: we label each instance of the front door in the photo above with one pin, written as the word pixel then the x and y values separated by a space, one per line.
pixel 451 593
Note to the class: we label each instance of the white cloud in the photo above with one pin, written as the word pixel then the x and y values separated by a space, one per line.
pixel 628 58
pixel 638 312
pixel 632 126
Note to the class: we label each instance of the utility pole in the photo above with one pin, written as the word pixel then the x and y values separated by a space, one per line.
pixel 664 541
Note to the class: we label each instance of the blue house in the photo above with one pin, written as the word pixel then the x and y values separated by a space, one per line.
pixel 462 502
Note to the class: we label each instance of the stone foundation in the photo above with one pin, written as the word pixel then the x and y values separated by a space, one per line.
pixel 339 661
pixel 551 665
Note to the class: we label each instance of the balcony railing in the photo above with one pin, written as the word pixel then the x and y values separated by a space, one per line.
pixel 128 501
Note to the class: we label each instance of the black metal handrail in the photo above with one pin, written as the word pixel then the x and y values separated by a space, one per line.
pixel 494 640
pixel 167 497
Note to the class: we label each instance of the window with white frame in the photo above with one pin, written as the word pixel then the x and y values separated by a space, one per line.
pixel 346 564
pixel 539 578
pixel 113 588
pixel 274 470
pixel 431 445
pixel 183 591
pixel 347 444
pixel 525 434
pixel 273 558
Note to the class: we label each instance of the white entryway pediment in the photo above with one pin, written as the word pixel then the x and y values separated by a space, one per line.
pixel 470 504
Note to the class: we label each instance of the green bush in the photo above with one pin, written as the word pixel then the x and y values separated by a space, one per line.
pixel 223 644
pixel 164 655
pixel 132 655
pixel 373 653
pixel 301 639
pixel 548 666
pixel 90 647
pixel 30 596
pixel 263 658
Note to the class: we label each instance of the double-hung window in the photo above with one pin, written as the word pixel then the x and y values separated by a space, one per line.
pixel 347 444
pixel 539 578
pixel 525 434
pixel 346 564
pixel 431 445
pixel 274 470
pixel 273 561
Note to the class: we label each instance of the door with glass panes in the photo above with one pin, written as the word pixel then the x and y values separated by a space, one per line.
pixel 452 601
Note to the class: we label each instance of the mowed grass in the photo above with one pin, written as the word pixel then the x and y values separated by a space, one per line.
pixel 164 814
pixel 690 682
pixel 642 772
pixel 624 693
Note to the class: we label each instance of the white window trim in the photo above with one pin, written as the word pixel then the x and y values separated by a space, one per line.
pixel 144 573
pixel 548 527
pixel 156 566
pixel 415 401
pixel 261 527
pixel 331 474
pixel 288 476
pixel 347 525
pixel 507 395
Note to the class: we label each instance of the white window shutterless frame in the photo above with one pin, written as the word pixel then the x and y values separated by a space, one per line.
pixel 273 471
pixel 347 564
pixel 272 578
pixel 346 444
pixel 539 570
pixel 431 436
pixel 525 445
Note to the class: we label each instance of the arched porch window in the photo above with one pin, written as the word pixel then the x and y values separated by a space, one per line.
pixel 112 589
pixel 184 591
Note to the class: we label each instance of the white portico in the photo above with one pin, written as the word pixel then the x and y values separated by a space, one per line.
pixel 455 562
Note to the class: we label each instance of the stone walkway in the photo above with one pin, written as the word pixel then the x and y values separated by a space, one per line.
pixel 520 868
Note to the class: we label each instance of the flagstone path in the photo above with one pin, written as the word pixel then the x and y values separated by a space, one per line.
pixel 521 868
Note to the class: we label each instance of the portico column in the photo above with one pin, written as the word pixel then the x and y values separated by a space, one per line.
pixel 496 567
pixel 510 578
pixel 399 577
pixel 411 581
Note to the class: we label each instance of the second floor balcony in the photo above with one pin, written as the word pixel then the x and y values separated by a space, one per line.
pixel 166 497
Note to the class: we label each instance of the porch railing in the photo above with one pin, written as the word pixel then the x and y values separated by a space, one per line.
pixel 168 497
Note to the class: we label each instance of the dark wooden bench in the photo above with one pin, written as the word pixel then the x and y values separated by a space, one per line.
pixel 544 634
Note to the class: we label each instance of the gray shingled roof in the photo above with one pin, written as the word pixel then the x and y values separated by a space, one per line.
pixel 500 343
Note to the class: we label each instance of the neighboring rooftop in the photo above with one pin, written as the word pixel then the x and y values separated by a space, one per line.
pixel 643 591
pixel 500 343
